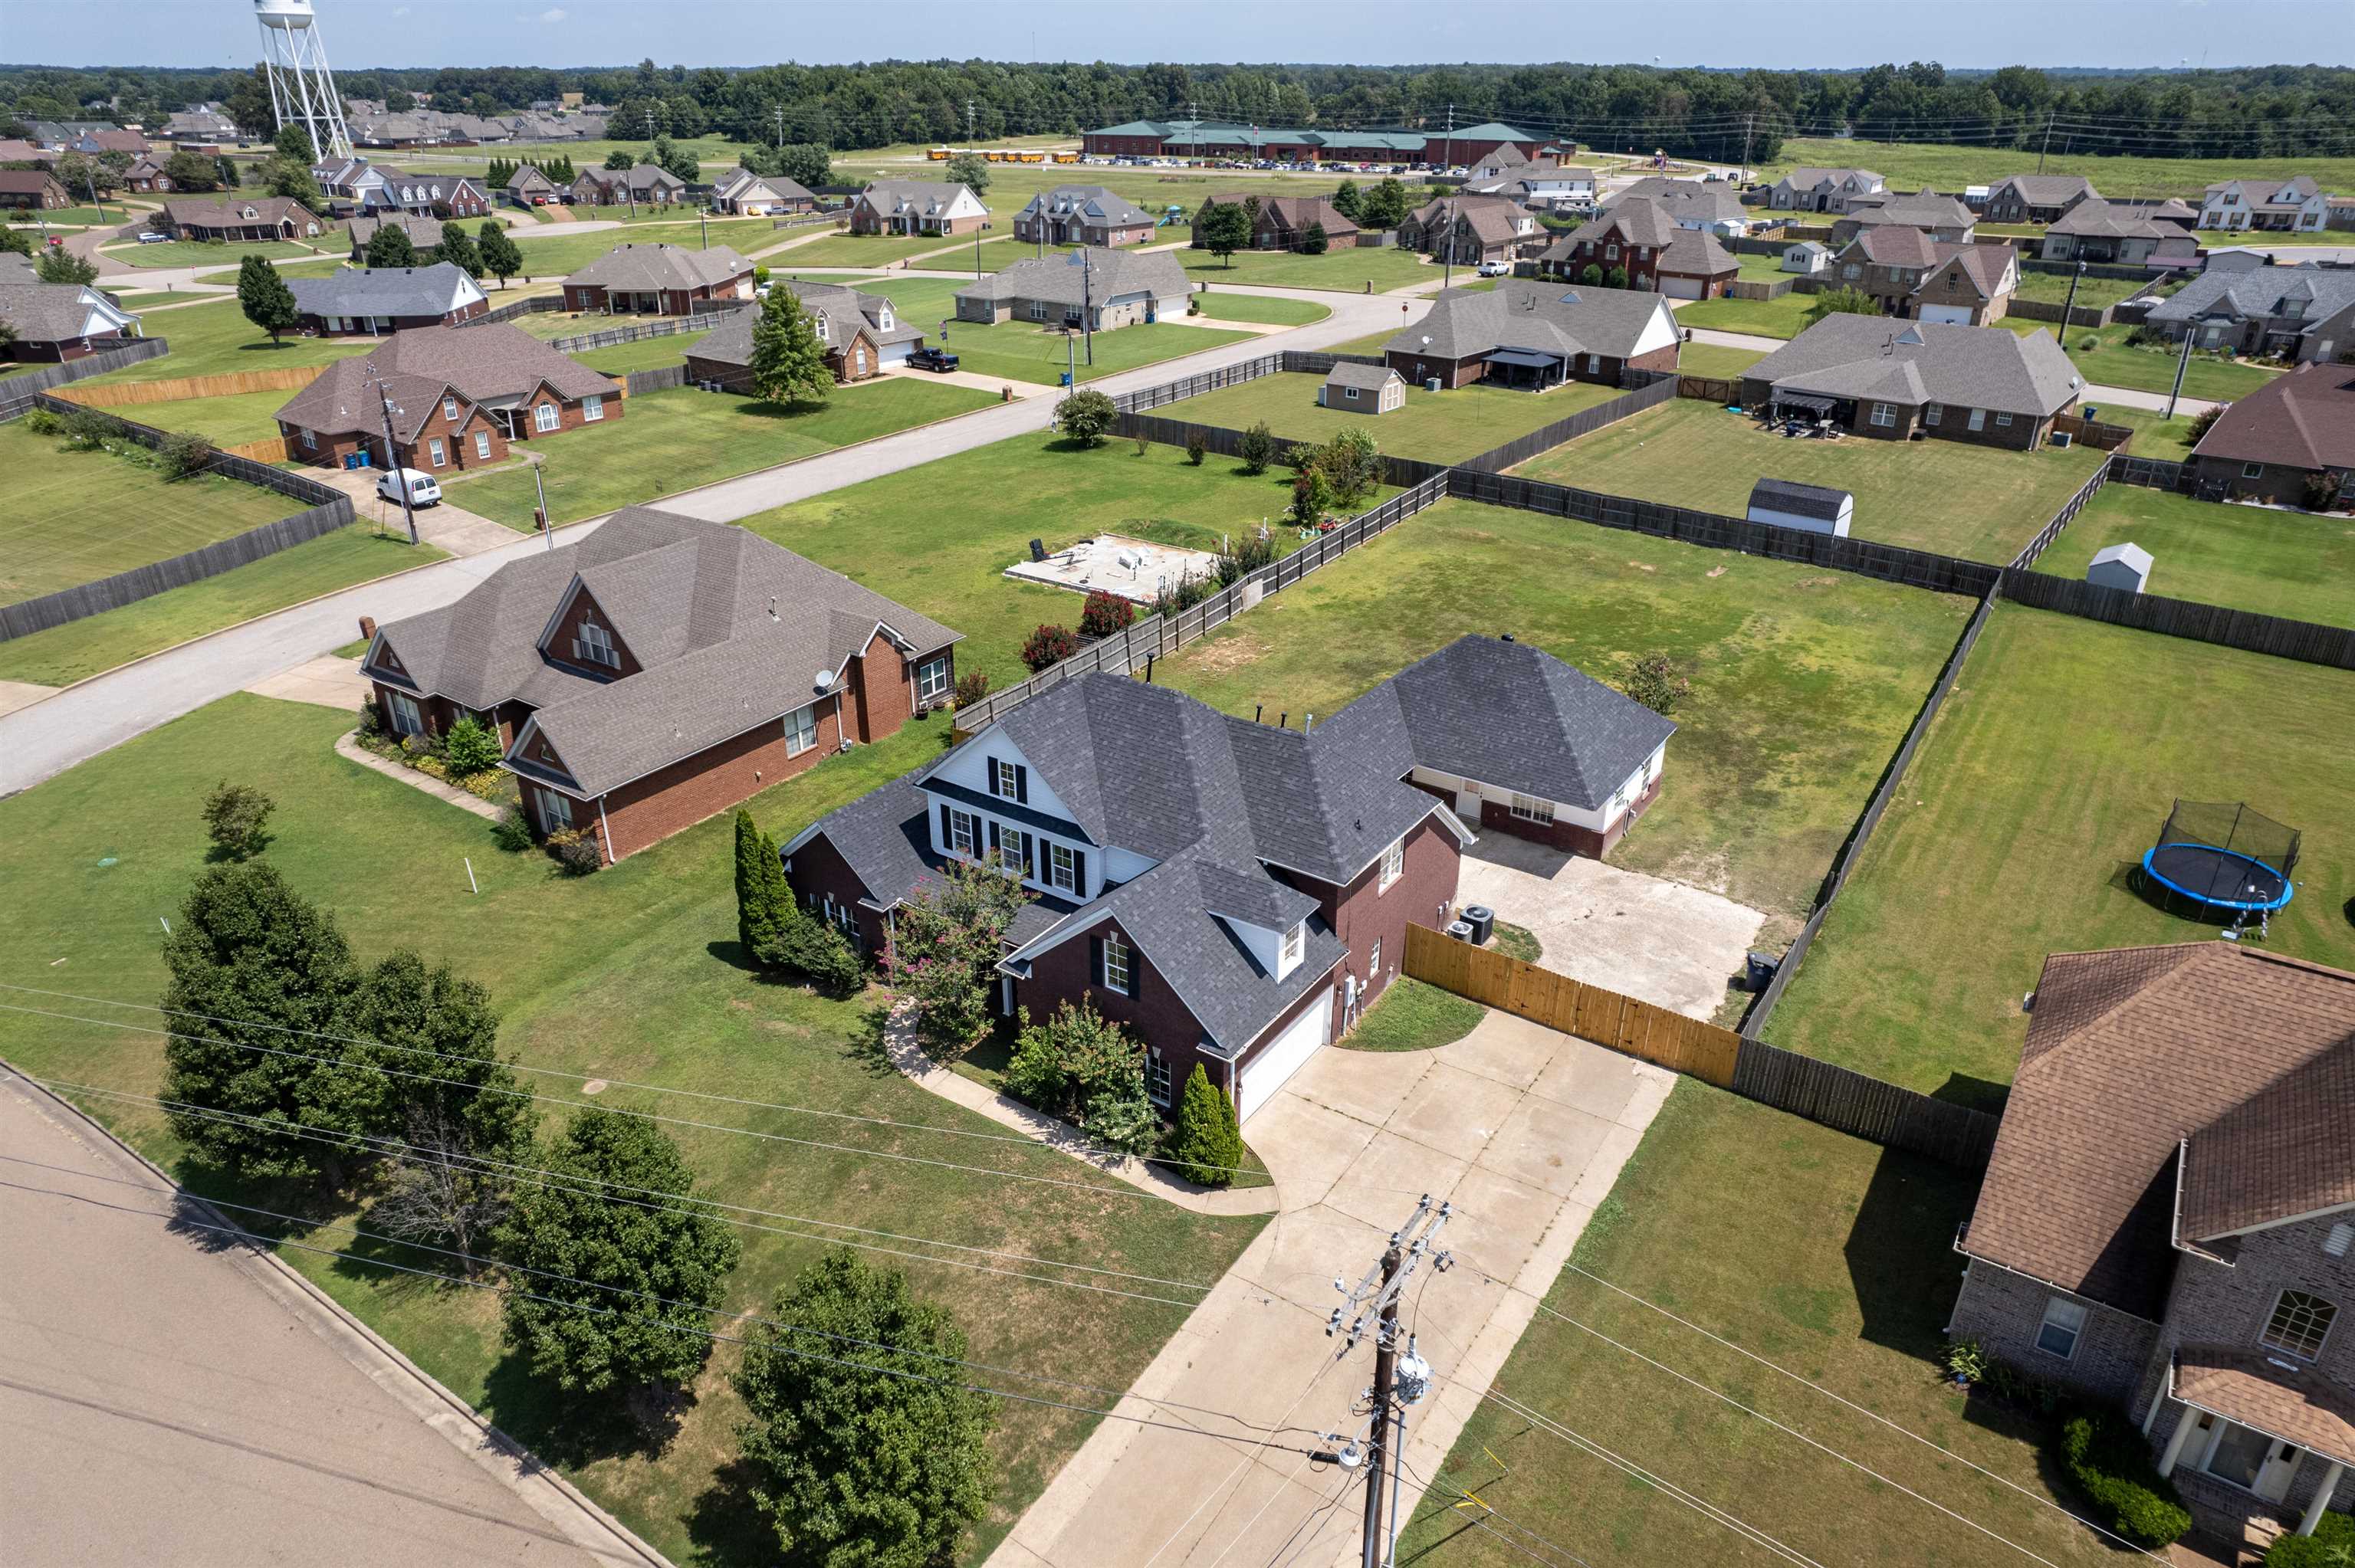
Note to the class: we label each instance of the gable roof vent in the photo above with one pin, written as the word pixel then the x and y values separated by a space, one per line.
pixel 2340 1238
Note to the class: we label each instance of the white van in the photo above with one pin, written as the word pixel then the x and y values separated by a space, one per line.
pixel 422 489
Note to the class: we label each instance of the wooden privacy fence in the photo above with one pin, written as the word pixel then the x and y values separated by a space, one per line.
pixel 2304 641
pixel 2093 432
pixel 613 337
pixel 229 384
pixel 270 449
pixel 1625 1023
pixel 20 387
pixel 1848 1101
pixel 2042 311
pixel 1586 421
pixel 1708 388
pixel 2061 519
pixel 509 313
pixel 660 378
pixel 2151 474
pixel 1751 289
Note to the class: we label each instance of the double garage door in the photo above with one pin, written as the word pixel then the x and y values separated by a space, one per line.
pixel 1958 315
pixel 1680 287
pixel 1285 1055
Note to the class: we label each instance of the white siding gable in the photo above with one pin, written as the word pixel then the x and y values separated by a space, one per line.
pixel 970 769
pixel 1659 332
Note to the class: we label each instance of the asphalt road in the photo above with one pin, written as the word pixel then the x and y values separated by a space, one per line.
pixel 83 720
pixel 162 1402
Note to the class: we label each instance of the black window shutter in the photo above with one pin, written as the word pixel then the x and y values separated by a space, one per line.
pixel 1029 845
pixel 1021 784
pixel 1080 872
pixel 948 837
pixel 993 838
pixel 1095 960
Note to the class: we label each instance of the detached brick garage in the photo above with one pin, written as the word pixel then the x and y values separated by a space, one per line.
pixel 659 671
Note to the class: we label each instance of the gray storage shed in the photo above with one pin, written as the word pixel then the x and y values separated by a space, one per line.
pixel 2122 565
pixel 1790 504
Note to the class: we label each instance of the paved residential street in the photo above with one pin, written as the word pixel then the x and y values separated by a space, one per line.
pixel 81 721
pixel 1524 1130
pixel 166 1402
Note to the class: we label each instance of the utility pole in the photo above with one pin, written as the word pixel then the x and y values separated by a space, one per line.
pixel 2182 363
pixel 2071 302
pixel 1378 1455
pixel 2044 146
pixel 968 124
pixel 1399 1381
pixel 392 454
pixel 1748 125
pixel 546 527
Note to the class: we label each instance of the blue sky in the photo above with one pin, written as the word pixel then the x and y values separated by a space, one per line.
pixel 1775 34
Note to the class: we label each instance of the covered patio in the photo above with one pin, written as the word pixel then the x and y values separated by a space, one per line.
pixel 1811 409
pixel 2273 1434
pixel 1532 368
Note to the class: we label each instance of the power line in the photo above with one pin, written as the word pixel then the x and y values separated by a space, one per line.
pixel 1325 1365
pixel 1490 1511
pixel 1086 1150
pixel 557 1180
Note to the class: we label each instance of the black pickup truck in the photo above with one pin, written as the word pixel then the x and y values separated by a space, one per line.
pixel 937 360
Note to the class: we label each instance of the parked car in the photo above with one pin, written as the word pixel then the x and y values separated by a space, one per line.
pixel 939 361
pixel 149 236
pixel 423 490
pixel 1494 269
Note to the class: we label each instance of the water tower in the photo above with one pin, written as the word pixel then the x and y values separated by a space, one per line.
pixel 302 88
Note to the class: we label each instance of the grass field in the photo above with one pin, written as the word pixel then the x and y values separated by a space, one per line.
pixel 1024 350
pixel 2045 777
pixel 676 439
pixel 2243 557
pixel 1346 272
pixel 1761 269
pixel 1716 360
pixel 640 981
pixel 84 648
pixel 646 354
pixel 2113 363
pixel 227 422
pixel 1413 1016
pixel 1834 1262
pixel 1980 502
pixel 75 517
pixel 880 250
pixel 1438 427
pixel 559 255
pixel 1912 165
pixel 1785 317
pixel 215 339
pixel 2093 293
pixel 1802 682
pixel 1261 308
pixel 200 253
pixel 901 538
pixel 82 216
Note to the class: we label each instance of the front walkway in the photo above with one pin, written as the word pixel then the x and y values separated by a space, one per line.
pixel 1523 1129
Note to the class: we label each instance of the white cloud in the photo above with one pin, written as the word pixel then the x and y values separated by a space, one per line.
pixel 554 13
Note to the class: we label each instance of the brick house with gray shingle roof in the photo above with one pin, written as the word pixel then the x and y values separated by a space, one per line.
pixel 862 334
pixel 659 671
pixel 1082 214
pixel 2168 1220
pixel 365 303
pixel 1231 893
pixel 658 279
pixel 1537 334
pixel 1874 376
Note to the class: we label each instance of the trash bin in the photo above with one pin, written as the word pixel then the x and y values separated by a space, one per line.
pixel 1483 921
pixel 1758 971
pixel 1460 929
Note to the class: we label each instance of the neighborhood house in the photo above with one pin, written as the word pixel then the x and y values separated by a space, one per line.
pixel 1823 190
pixel 1092 288
pixel 2295 204
pixel 254 218
pixel 1536 334
pixel 1081 215
pixel 2287 312
pixel 2291 442
pixel 917 206
pixel 1910 274
pixel 2036 198
pixel 57 321
pixel 1888 379
pixel 658 279
pixel 386 299
pixel 1642 241
pixel 862 334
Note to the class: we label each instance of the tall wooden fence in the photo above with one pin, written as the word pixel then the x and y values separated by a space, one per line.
pixel 660 378
pixel 1850 1102
pixel 2303 640
pixel 2042 311
pixel 20 387
pixel 1158 636
pixel 509 313
pixel 613 337
pixel 229 384
pixel 2061 519
pixel 1751 289
pixel 1586 421
pixel 2151 474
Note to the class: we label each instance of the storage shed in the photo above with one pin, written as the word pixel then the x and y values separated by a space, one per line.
pixel 1807 258
pixel 2121 566
pixel 1789 505
pixel 1362 389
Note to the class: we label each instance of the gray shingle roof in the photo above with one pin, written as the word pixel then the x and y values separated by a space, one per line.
pixel 2258 291
pixel 1919 361
pixel 1687 202
pixel 650 267
pixel 691 602
pixel 482 364
pixel 1521 313
pixel 845 311
pixel 1368 377
pixel 2047 190
pixel 1800 500
pixel 422 231
pixel 51 313
pixel 1093 203
pixel 1111 273
pixel 911 196
pixel 1921 209
pixel 384 292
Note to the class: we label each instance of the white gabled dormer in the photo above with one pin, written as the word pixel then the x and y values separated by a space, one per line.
pixel 1277 952
pixel 988 796
pixel 884 320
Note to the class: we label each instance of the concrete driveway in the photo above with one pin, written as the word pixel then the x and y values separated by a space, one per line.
pixel 1524 1130
pixel 1641 936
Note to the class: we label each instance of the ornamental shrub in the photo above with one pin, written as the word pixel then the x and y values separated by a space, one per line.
pixel 472 747
pixel 2205 420
pixel 1048 645
pixel 1105 614
pixel 184 455
pixel 2105 1458
pixel 1652 680
pixel 2332 1545
pixel 1616 278
pixel 1591 275
pixel 1208 1142
pixel 512 831
pixel 1197 446
pixel 1257 447
pixel 575 849
pixel 971 687
pixel 234 818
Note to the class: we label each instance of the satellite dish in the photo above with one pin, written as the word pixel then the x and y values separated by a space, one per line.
pixel 822 679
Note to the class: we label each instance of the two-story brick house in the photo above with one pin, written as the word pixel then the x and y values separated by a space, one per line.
pixel 1232 893
pixel 1642 239
pixel 2168 1218
pixel 1081 215
pixel 660 670
pixel 1915 276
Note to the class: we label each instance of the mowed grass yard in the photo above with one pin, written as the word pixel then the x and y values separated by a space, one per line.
pixel 1716 360
pixel 2244 557
pixel 2046 776
pixel 1823 1254
pixel 676 439
pixel 214 339
pixel 938 538
pixel 880 251
pixel 1979 503
pixel 227 421
pixel 550 256
pixel 1910 166
pixel 1264 309
pixel 75 517
pixel 1026 350
pixel 200 253
pixel 2113 361
pixel 1802 682
pixel 636 977
pixel 1785 317
pixel 1438 427
pixel 1346 272
pixel 80 649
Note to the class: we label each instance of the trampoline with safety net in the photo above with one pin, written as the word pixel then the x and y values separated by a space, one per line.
pixel 2222 856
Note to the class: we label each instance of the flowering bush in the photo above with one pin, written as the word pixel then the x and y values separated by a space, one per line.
pixel 947 939
pixel 1105 614
pixel 1048 645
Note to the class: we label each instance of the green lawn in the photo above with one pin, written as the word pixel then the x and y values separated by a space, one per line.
pixel 1413 1016
pixel 895 534
pixel 1802 682
pixel 1716 360
pixel 557 255
pixel 880 250
pixel 1822 1253
pixel 1438 427
pixel 637 979
pixel 1785 317
pixel 141 298
pixel 2047 775
pixel 1024 350
pixel 83 216
pixel 2093 293
pixel 1952 497
pixel 2155 437
pixel 1761 269
pixel 1372 343
pixel 202 253
pixel 227 422
pixel 1261 308
pixel 1348 271
pixel 75 517
pixel 676 439
pixel 80 649
pixel 2243 557
pixel 2113 363
pixel 646 354
pixel 215 339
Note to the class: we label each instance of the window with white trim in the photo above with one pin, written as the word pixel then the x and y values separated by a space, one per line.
pixel 1117 959
pixel 449 409
pixel 433 451
pixel 1157 1077
pixel 406 719
pixel 1004 778
pixel 2252 470
pixel 1394 863
pixel 595 644
pixel 1350 392
pixel 545 417
pixel 801 730
pixel 1296 940
pixel 2002 421
pixel 1529 809
pixel 2299 1324
pixel 933 680
pixel 310 440
pixel 592 407
pixel 1932 412
pixel 2065 1320
pixel 1062 868
pixel 1884 414
pixel 965 832
pixel 482 443
pixel 555 812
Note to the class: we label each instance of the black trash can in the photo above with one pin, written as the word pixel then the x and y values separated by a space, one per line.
pixel 1483 921
pixel 1759 972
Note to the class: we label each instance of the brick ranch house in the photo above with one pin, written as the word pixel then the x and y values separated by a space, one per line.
pixel 459 396
pixel 2036 198
pixel 1537 334
pixel 2278 444
pixel 2302 313
pixel 2167 1220
pixel 1115 289
pixel 1233 893
pixel 1643 239
pixel 247 219
pixel 862 334
pixel 386 299
pixel 33 189
pixel 917 206
pixel 659 671
pixel 1886 379
pixel 658 279
pixel 57 321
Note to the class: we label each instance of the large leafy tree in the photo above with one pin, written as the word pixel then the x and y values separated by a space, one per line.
pixel 585 1339
pixel 256 970
pixel 788 360
pixel 390 246
pixel 264 297
pixel 1225 228
pixel 59 265
pixel 457 248
pixel 294 141
pixel 501 256
pixel 1386 206
pixel 865 1448
pixel 970 170
pixel 291 178
pixel 805 162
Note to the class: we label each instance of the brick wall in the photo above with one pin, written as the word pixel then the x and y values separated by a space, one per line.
pixel 1153 1013
pixel 2275 483
pixel 818 872
pixel 682 794
pixel 567 627
pixel 1362 915
pixel 882 691
pixel 2003 1312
